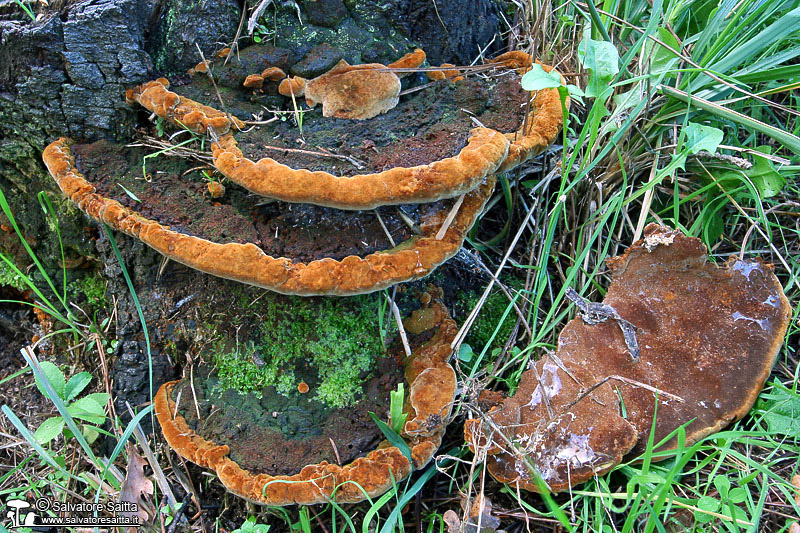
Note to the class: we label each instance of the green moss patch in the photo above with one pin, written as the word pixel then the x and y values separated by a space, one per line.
pixel 331 344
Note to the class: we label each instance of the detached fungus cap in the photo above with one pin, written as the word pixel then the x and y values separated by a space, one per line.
pixel 707 337
pixel 247 263
pixel 708 334
pixel 367 476
pixel 554 424
pixel 354 91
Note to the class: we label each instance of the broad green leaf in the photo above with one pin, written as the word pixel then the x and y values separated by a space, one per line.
pixel 100 397
pixel 768 182
pixel 780 411
pixel 50 429
pixel 723 485
pixel 537 79
pixel 661 58
pixel 54 375
pixel 737 495
pixel 75 385
pixel 708 504
pixel 699 137
pixel 90 434
pixel 602 60
pixel 393 438
pixel 465 353
pixel 87 409
pixel 693 138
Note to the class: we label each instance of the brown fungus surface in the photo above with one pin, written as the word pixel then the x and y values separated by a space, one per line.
pixel 554 424
pixel 423 150
pixel 368 475
pixel 155 96
pixel 233 254
pixel 707 338
pixel 356 92
pixel 708 334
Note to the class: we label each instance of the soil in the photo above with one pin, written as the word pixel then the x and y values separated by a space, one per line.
pixel 426 126
pixel 279 434
pixel 178 197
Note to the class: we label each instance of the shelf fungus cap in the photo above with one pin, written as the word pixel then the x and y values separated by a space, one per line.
pixel 156 97
pixel 354 91
pixel 485 151
pixel 447 72
pixel 367 476
pixel 707 337
pixel 553 425
pixel 292 86
pixel 413 259
pixel 408 61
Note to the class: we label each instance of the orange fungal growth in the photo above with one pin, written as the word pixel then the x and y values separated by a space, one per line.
pixel 302 387
pixel 273 74
pixel 292 86
pixel 253 81
pixel 410 60
pixel 432 386
pixel 216 189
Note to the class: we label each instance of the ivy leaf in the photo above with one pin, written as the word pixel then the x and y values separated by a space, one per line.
pixel 764 176
pixel 602 60
pixel 50 429
pixel 75 385
pixel 54 375
pixel 537 79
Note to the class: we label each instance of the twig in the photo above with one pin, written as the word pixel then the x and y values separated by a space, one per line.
pixel 216 89
pixel 347 158
pixel 399 320
pixel 385 229
pixel 450 217
pixel 257 12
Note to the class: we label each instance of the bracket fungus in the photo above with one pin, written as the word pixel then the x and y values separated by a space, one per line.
pixel 240 259
pixel 707 339
pixel 422 150
pixel 544 117
pixel 432 389
pixel 156 97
